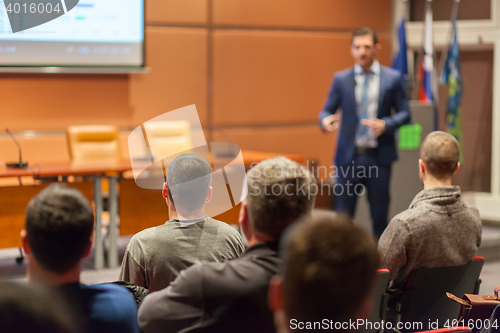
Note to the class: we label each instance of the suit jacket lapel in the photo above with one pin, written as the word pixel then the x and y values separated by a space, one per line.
pixel 351 96
pixel 382 89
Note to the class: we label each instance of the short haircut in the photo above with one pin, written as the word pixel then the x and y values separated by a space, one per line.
pixel 440 152
pixel 188 181
pixel 329 269
pixel 364 32
pixel 28 308
pixel 279 192
pixel 59 223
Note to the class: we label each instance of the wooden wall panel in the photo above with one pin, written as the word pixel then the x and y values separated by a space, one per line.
pixel 55 101
pixel 384 55
pixel 140 208
pixel 13 202
pixel 230 216
pixel 441 10
pixel 178 61
pixel 477 74
pixel 43 148
pixel 176 11
pixel 334 14
pixel 276 77
pixel 36 149
pixel 308 141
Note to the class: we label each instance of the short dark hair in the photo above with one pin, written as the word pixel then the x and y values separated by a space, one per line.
pixel 279 193
pixel 363 32
pixel 59 223
pixel 29 308
pixel 440 152
pixel 329 269
pixel 188 181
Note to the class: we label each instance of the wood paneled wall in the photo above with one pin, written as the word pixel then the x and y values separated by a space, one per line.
pixel 258 72
pixel 477 74
pixel 13 206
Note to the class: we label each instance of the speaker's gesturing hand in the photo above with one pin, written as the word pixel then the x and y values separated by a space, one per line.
pixel 378 125
pixel 331 123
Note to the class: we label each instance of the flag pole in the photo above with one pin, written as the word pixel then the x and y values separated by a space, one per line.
pixel 433 74
pixel 409 80
pixel 420 58
pixel 444 56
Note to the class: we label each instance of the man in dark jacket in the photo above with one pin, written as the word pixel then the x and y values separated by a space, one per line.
pixel 328 272
pixel 232 296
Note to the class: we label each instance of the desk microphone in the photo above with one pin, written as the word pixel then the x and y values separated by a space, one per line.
pixel 19 164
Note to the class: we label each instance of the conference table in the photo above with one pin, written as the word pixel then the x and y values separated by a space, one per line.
pixel 113 171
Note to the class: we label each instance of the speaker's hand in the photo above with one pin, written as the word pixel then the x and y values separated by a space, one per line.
pixel 378 125
pixel 331 123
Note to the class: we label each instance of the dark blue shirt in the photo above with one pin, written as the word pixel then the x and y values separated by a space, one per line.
pixel 105 308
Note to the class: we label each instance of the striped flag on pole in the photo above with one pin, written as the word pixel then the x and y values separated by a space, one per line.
pixel 452 77
pixel 427 86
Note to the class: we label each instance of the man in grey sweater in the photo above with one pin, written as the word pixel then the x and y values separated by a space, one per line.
pixel 155 256
pixel 438 229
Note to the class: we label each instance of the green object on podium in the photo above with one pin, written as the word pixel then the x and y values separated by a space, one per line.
pixel 410 137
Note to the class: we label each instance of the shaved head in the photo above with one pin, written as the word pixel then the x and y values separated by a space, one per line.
pixel 440 153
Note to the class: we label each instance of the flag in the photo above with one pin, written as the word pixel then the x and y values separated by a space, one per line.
pixel 427 88
pixel 452 77
pixel 400 62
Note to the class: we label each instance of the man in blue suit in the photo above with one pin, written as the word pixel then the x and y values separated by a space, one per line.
pixel 374 106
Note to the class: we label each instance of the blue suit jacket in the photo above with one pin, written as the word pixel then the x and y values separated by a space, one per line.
pixel 391 97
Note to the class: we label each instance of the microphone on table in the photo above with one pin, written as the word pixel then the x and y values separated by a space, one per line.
pixel 19 164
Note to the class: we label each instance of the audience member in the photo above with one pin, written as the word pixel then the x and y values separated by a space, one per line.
pixel 155 256
pixel 25 308
pixel 57 235
pixel 232 296
pixel 439 229
pixel 329 268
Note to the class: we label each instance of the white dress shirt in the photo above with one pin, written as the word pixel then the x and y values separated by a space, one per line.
pixel 370 141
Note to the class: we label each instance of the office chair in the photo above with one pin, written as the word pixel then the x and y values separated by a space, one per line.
pixel 379 298
pixel 167 139
pixel 424 299
pixel 91 142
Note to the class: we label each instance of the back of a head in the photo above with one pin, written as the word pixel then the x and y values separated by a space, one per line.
pixel 26 308
pixel 188 180
pixel 59 223
pixel 440 153
pixel 279 192
pixel 329 270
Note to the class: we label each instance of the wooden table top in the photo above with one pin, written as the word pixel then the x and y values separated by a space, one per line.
pixel 66 168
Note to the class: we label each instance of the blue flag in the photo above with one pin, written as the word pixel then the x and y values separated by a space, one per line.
pixel 400 62
pixel 452 77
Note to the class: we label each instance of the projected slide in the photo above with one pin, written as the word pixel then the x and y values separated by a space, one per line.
pixel 94 32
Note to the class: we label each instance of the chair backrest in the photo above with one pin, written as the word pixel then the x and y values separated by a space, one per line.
pixel 168 138
pixel 379 298
pixel 92 142
pixel 424 297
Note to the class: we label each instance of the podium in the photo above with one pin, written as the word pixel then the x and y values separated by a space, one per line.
pixel 405 181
